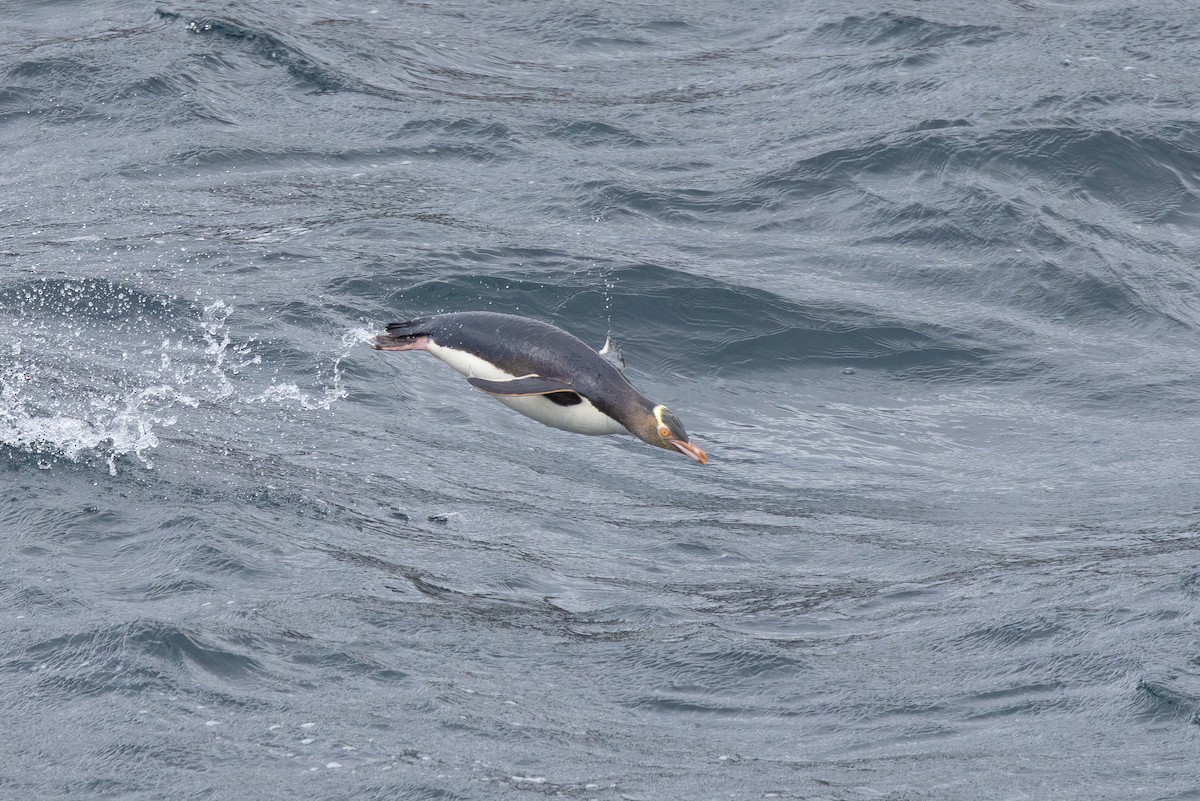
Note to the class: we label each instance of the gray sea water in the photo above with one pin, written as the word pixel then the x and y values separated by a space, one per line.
pixel 921 277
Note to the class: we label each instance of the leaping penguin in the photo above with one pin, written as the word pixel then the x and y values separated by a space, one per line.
pixel 543 372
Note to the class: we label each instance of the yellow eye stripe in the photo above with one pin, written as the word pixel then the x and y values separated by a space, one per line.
pixel 664 430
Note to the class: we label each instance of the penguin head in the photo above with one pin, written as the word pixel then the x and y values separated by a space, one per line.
pixel 662 428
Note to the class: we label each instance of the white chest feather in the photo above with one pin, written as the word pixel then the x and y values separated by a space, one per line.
pixel 581 418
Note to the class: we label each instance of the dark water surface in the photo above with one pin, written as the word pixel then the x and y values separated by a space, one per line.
pixel 920 276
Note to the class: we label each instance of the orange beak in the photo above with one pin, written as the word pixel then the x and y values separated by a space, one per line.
pixel 694 451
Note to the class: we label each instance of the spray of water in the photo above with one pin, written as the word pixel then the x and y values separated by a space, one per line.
pixel 106 408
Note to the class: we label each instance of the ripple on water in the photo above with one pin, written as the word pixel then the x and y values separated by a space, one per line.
pixel 138 656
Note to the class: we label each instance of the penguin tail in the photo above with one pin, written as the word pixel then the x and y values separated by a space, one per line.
pixel 407 335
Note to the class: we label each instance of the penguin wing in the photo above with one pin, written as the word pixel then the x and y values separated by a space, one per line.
pixel 525 385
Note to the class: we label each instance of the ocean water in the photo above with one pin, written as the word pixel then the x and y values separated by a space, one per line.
pixel 921 277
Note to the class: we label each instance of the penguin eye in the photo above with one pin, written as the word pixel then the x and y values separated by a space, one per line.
pixel 664 432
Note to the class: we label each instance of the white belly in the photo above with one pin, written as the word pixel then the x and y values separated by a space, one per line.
pixel 582 418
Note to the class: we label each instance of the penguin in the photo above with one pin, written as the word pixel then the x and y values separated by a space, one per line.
pixel 543 372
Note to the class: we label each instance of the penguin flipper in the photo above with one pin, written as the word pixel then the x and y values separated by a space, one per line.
pixel 526 385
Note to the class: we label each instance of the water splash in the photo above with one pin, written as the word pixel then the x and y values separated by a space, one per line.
pixel 609 284
pixel 64 399
pixel 117 426
pixel 330 392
